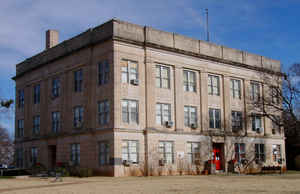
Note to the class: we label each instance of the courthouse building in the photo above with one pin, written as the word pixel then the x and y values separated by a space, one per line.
pixel 122 97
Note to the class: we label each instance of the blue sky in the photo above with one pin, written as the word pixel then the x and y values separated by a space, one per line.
pixel 265 27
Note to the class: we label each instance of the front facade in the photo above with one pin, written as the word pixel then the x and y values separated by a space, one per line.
pixel 124 99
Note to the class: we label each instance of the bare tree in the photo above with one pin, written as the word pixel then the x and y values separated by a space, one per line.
pixel 6 147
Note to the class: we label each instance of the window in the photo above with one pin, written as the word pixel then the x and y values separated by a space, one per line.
pixel 20 129
pixel 21 99
pixel 276 153
pixel 275 95
pixel 103 72
pixel 254 91
pixel 163 113
pixel 162 76
pixel 78 77
pixel 193 152
pixel 78 116
pixel 190 116
pixel 103 153
pixel 19 157
pixel 36 94
pixel 34 155
pixel 130 111
pixel 55 87
pixel 36 125
pixel 129 71
pixel 130 151
pixel 214 118
pixel 276 123
pixel 189 81
pixel 240 153
pixel 236 120
pixel 256 122
pixel 235 88
pixel 103 112
pixel 75 153
pixel 213 85
pixel 55 122
pixel 259 152
pixel 166 151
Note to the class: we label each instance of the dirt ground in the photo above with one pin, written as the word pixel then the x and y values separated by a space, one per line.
pixel 288 184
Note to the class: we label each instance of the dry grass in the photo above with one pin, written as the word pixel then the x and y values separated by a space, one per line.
pixel 288 183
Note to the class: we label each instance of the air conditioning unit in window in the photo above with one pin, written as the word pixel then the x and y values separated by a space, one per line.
pixel 134 82
pixel 194 126
pixel 259 130
pixel 162 162
pixel 127 162
pixel 169 124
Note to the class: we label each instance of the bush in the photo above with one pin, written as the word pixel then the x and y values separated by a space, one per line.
pixel 297 162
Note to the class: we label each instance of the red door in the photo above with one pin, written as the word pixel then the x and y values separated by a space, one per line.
pixel 217 158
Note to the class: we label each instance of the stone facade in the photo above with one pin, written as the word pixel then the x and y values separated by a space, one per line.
pixel 116 42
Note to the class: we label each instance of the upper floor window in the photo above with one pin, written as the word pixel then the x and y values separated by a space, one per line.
pixel 276 124
pixel 78 116
pixel 103 153
pixel 254 91
pixel 240 152
pixel 163 113
pixel 275 95
pixel 129 71
pixel 256 122
pixel 36 94
pixel 166 151
pixel 236 120
pixel 190 116
pixel 235 88
pixel 21 98
pixel 189 81
pixel 130 151
pixel 259 153
pixel 20 129
pixel 36 125
pixel 55 87
pixel 193 152
pixel 214 118
pixel 213 85
pixel 103 72
pixel 78 79
pixel 34 155
pixel 130 112
pixel 162 76
pixel 103 112
pixel 55 122
pixel 75 153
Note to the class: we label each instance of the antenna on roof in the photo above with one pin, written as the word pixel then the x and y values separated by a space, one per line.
pixel 207 31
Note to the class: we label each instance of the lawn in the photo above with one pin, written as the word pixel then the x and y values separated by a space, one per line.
pixel 288 183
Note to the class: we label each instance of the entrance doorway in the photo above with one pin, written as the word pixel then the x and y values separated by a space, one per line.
pixel 52 156
pixel 218 155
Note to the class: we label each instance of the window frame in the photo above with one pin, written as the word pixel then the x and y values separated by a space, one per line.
pixel 164 154
pixel 212 89
pixel 103 72
pixel 78 80
pixel 235 90
pixel 260 155
pixel 129 113
pixel 276 157
pixel 188 115
pixel 75 153
pixel 37 94
pixel 34 155
pixel 238 152
pixel 217 123
pixel 255 118
pixel 162 112
pixel 21 100
pixel 159 78
pixel 36 125
pixel 56 121
pixel 128 73
pixel 234 121
pixel 255 93
pixel 20 129
pixel 77 119
pixel 192 155
pixel 105 154
pixel 189 85
pixel 55 87
pixel 129 152
pixel 104 112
